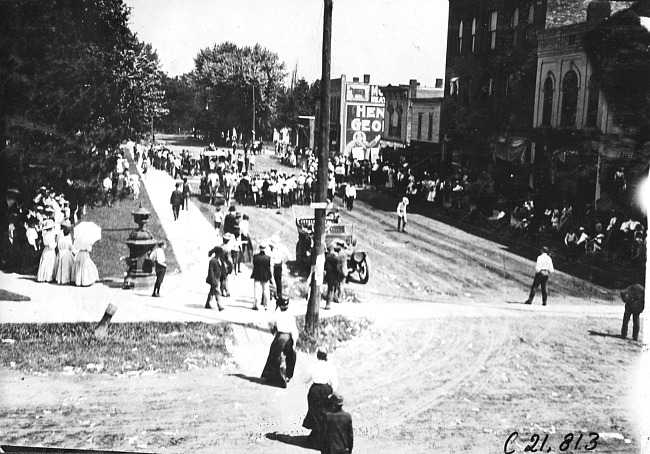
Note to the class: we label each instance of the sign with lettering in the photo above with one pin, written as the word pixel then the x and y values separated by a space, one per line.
pixel 364 126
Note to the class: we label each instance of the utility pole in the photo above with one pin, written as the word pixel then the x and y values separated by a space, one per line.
pixel 253 112
pixel 318 250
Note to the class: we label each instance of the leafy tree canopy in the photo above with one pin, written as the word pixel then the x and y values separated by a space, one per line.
pixel 75 82
pixel 230 77
pixel 619 49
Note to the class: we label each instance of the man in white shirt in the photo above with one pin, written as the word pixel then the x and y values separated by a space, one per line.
pixel 283 326
pixel 543 269
pixel 401 215
pixel 350 195
pixel 157 256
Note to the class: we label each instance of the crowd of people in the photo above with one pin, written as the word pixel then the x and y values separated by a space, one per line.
pixel 40 241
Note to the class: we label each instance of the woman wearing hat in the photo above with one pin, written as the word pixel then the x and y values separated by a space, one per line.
pixel 46 267
pixel 64 273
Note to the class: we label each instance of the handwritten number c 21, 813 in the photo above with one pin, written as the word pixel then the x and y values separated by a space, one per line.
pixel 541 445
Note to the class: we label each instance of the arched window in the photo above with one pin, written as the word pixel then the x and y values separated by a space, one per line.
pixel 460 37
pixel 547 102
pixel 592 103
pixel 569 99
pixel 473 34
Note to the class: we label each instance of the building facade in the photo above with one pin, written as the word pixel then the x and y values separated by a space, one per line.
pixel 490 75
pixel 577 140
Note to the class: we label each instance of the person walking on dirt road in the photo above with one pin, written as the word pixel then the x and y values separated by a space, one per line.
pixel 401 215
pixel 324 381
pixel 543 269
pixel 339 436
pixel 283 326
pixel 634 298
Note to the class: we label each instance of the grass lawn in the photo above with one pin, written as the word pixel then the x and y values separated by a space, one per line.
pixel 165 347
pixel 117 223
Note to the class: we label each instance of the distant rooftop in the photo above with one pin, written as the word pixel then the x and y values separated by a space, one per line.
pixel 567 12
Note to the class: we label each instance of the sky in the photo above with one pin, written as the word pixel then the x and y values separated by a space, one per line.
pixel 391 40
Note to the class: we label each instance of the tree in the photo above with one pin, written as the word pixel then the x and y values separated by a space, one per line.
pixel 618 48
pixel 295 101
pixel 228 78
pixel 180 100
pixel 75 82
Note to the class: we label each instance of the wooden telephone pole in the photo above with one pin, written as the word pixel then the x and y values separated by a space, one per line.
pixel 318 250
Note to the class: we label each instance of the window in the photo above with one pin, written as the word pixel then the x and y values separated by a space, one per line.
pixel 430 131
pixel 547 102
pixel 515 25
pixel 592 103
pixel 399 111
pixel 460 38
pixel 473 34
pixel 531 14
pixel 569 99
pixel 453 86
pixel 493 30
pixel 420 125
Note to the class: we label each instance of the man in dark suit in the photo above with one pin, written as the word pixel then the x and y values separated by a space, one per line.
pixel 339 438
pixel 261 276
pixel 215 272
pixel 230 221
pixel 634 298
pixel 176 201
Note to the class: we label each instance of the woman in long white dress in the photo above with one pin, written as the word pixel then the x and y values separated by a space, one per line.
pixel 85 271
pixel 48 256
pixel 64 259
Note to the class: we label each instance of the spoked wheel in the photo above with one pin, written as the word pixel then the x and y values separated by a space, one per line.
pixel 364 272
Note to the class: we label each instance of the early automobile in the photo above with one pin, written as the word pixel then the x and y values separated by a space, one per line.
pixel 338 234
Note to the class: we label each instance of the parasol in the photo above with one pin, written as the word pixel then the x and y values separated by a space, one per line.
pixel 87 232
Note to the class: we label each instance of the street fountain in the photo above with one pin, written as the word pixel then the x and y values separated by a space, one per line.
pixel 140 272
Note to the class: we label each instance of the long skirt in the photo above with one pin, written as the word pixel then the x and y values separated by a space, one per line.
pixel 64 267
pixel 46 266
pixel 318 402
pixel 282 345
pixel 85 271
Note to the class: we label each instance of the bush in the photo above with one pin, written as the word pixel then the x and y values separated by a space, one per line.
pixel 331 332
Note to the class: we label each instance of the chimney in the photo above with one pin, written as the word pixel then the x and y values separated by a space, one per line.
pixel 438 83
pixel 355 79
pixel 413 88
pixel 366 78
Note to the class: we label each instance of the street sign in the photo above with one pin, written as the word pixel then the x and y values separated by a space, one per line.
pixel 318 205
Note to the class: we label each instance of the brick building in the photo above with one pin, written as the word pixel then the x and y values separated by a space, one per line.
pixel 490 76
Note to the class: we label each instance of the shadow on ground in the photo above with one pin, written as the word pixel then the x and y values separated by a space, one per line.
pixel 294 440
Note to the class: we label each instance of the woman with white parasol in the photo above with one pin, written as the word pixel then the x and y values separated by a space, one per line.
pixel 85 271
